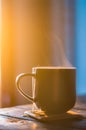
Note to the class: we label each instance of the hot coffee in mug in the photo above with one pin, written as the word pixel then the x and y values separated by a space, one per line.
pixel 54 88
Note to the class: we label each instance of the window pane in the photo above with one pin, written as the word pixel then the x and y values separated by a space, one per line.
pixel 81 45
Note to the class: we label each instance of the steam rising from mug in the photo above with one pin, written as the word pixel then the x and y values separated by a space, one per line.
pixel 58 51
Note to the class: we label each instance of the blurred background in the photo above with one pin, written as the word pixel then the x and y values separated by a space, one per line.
pixel 40 33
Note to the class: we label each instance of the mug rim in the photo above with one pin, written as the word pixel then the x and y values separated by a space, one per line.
pixel 53 67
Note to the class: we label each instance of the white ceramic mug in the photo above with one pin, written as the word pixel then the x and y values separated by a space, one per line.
pixel 54 88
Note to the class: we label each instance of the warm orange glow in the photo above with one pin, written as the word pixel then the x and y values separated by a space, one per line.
pixel 6 52
pixel 31 36
pixel 25 32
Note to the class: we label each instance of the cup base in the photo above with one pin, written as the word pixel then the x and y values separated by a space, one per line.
pixel 42 116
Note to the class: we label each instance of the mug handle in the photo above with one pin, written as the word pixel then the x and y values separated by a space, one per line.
pixel 18 78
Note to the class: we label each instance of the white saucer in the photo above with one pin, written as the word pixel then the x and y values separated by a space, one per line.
pixel 41 116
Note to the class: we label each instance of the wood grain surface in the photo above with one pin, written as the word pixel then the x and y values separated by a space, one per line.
pixel 12 119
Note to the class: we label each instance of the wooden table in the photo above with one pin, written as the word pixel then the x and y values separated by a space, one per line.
pixel 12 119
